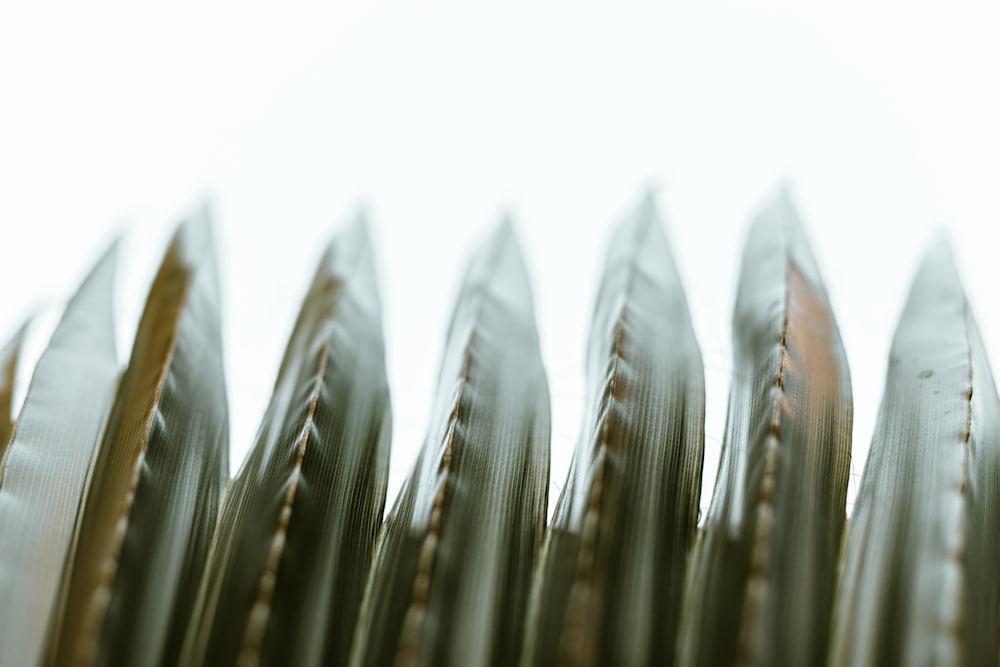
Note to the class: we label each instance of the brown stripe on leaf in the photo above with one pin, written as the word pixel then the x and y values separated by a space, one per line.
pixel 452 573
pixel 298 528
pixel 611 585
pixel 158 476
pixel 767 556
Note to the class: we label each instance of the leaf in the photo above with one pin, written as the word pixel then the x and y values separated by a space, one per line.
pixel 453 569
pixel 48 462
pixel 762 592
pixel 299 524
pixel 612 582
pixel 158 478
pixel 920 580
pixel 8 367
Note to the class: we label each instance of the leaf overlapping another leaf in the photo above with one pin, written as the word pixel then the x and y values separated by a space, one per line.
pixel 148 514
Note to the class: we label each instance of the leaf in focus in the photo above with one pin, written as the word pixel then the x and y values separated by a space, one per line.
pixel 452 573
pixel 766 562
pixel 920 580
pixel 298 527
pixel 48 462
pixel 150 509
pixel 8 367
pixel 612 581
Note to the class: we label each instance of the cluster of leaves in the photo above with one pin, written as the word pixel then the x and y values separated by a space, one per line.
pixel 122 540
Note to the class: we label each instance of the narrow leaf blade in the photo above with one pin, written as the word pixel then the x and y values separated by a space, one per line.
pixel 452 573
pixel 920 580
pixel 158 478
pixel 48 462
pixel 298 527
pixel 611 586
pixel 767 557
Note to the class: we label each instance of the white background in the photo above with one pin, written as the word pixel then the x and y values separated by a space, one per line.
pixel 440 116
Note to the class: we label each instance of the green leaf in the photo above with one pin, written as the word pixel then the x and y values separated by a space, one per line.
pixel 920 582
pixel 158 478
pixel 762 591
pixel 48 462
pixel 299 523
pixel 612 582
pixel 8 367
pixel 453 569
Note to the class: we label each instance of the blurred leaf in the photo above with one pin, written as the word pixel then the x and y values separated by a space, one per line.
pixel 159 474
pixel 453 569
pixel 762 591
pixel 298 527
pixel 8 367
pixel 48 462
pixel 612 582
pixel 920 579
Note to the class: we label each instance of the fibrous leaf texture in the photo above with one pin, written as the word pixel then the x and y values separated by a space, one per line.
pixel 150 508
pixel 46 467
pixel 453 569
pixel 611 585
pixel 920 582
pixel 763 589
pixel 298 527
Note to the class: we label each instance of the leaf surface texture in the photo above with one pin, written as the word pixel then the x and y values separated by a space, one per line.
pixel 612 583
pixel 46 468
pixel 452 573
pixel 299 523
pixel 159 474
pixel 920 582
pixel 767 555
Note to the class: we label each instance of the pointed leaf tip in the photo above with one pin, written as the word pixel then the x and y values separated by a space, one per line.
pixel 349 250
pixel 194 237
pixel 499 264
pixel 940 256
pixel 505 233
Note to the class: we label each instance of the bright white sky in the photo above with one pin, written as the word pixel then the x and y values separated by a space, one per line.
pixel 438 117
